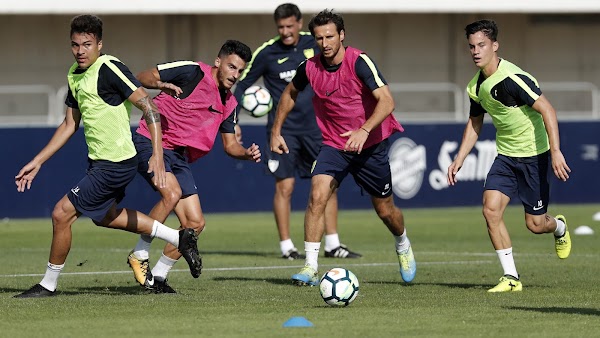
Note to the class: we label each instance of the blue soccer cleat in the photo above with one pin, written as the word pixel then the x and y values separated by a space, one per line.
pixel 408 265
pixel 306 277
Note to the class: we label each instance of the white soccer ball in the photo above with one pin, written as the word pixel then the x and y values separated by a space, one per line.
pixel 338 287
pixel 257 101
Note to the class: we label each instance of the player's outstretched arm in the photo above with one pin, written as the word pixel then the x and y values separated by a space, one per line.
pixel 234 149
pixel 470 136
pixel 151 115
pixel 150 79
pixel 285 106
pixel 62 134
pixel 559 164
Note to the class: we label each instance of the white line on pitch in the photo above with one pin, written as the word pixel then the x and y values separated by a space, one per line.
pixel 243 268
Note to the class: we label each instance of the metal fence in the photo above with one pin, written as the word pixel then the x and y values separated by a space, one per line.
pixel 424 102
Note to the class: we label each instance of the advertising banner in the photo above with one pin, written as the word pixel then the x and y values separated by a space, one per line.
pixel 419 159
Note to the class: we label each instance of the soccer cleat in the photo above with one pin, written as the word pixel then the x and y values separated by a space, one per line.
pixel 141 270
pixel 563 244
pixel 342 251
pixel 37 291
pixel 408 265
pixel 293 254
pixel 162 287
pixel 306 277
pixel 188 246
pixel 507 284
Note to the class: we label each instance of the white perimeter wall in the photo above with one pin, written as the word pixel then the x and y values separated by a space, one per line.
pixel 407 47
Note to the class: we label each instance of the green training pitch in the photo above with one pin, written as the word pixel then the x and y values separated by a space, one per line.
pixel 245 288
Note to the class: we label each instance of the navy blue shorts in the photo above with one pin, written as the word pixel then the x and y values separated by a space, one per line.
pixel 175 163
pixel 525 176
pixel 102 187
pixel 303 153
pixel 370 168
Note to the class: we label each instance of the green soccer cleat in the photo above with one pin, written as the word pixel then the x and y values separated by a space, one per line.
pixel 563 244
pixel 408 265
pixel 306 277
pixel 507 284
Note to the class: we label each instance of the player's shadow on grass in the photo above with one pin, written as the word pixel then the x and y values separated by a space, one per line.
pixel 448 285
pixel 464 286
pixel 387 282
pixel 236 253
pixel 11 291
pixel 95 290
pixel 567 310
pixel 279 281
pixel 116 290
pixel 108 290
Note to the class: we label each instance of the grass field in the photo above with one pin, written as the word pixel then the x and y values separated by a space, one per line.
pixel 245 288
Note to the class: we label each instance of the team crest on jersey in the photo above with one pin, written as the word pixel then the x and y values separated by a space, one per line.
pixel 288 75
pixel 308 53
pixel 273 165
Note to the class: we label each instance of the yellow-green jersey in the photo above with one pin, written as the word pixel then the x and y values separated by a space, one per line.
pixel 100 93
pixel 507 96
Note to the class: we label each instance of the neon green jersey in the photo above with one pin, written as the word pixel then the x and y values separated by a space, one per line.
pixel 507 96
pixel 106 127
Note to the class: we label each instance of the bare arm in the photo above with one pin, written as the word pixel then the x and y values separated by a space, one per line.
pixel 234 149
pixel 62 134
pixel 151 115
pixel 470 136
pixel 150 79
pixel 286 104
pixel 238 133
pixel 559 164
pixel 384 107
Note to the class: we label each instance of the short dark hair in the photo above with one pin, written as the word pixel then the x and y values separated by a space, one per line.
pixel 487 27
pixel 88 24
pixel 287 10
pixel 324 17
pixel 237 48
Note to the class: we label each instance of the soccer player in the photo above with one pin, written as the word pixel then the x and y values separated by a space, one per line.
pixel 527 142
pixel 101 91
pixel 353 106
pixel 195 104
pixel 276 61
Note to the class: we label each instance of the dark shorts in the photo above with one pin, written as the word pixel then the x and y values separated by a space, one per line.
pixel 102 187
pixel 525 176
pixel 370 168
pixel 303 153
pixel 175 163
